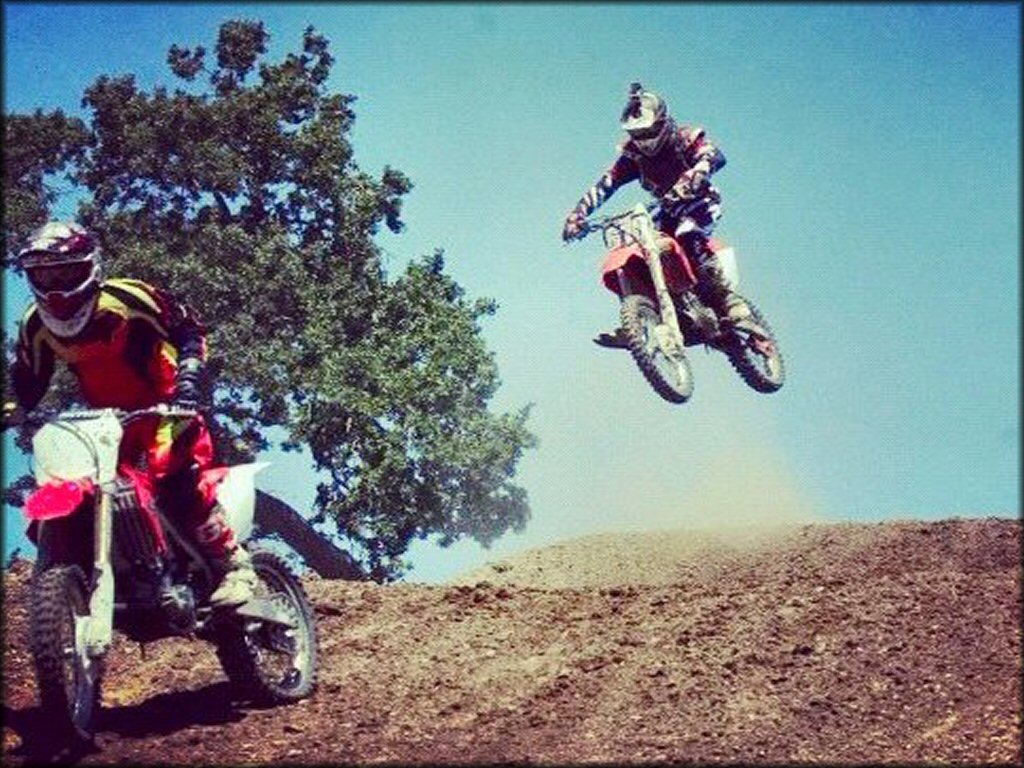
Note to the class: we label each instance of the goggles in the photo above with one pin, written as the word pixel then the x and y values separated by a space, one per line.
pixel 650 132
pixel 65 277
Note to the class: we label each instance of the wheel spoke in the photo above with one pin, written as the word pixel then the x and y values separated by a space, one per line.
pixel 763 346
pixel 660 357
pixel 755 355
pixel 669 368
pixel 650 339
pixel 270 661
pixel 279 651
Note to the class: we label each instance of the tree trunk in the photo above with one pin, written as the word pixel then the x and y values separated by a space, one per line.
pixel 320 554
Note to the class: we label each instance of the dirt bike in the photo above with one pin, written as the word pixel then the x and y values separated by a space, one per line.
pixel 108 559
pixel 661 314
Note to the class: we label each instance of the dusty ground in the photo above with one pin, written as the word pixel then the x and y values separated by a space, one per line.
pixel 872 643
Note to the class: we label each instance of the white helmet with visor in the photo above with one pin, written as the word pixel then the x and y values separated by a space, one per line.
pixel 62 264
pixel 645 118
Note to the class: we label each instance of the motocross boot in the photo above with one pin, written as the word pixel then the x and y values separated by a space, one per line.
pixel 611 339
pixel 237 578
pixel 713 288
pixel 230 562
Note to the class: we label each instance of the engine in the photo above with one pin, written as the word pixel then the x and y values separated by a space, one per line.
pixel 134 539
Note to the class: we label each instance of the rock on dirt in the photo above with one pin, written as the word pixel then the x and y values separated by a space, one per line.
pixel 895 642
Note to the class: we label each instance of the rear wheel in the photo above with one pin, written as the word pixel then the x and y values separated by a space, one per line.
pixel 755 356
pixel 67 678
pixel 270 663
pixel 667 372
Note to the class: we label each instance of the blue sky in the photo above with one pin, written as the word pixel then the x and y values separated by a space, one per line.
pixel 872 193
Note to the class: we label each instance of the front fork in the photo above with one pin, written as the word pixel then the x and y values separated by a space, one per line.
pixel 670 334
pixel 97 629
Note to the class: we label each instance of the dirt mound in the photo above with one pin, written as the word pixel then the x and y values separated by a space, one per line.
pixel 642 558
pixel 854 643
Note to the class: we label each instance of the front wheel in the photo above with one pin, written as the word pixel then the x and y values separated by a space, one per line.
pixel 756 356
pixel 667 372
pixel 270 663
pixel 67 677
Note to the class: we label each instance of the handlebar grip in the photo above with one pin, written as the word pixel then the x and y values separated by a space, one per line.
pixel 159 410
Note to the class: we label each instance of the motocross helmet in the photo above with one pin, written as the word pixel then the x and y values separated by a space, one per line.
pixel 645 118
pixel 62 264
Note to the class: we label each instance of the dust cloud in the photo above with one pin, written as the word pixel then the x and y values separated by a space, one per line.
pixel 737 491
pixel 741 496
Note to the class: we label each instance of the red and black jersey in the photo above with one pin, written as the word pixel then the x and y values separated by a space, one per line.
pixel 687 147
pixel 125 357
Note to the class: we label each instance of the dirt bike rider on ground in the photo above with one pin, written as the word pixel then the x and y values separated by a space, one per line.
pixel 130 346
pixel 674 163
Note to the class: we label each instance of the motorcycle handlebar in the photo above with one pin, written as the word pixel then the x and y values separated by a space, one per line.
pixel 173 411
pixel 124 416
pixel 598 224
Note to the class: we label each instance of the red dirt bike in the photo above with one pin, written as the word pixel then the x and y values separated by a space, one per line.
pixel 661 314
pixel 108 558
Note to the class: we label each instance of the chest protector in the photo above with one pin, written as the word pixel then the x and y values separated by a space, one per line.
pixel 658 172
pixel 123 358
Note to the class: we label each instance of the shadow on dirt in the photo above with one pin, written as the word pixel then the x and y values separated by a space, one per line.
pixel 156 716
pixel 39 744
pixel 169 712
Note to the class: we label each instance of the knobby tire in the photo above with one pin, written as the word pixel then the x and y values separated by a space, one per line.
pixel 632 312
pixel 239 657
pixel 746 361
pixel 58 595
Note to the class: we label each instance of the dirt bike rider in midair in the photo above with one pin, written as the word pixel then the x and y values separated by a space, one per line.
pixel 130 346
pixel 674 163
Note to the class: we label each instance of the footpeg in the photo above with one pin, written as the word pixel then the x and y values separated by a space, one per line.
pixel 611 340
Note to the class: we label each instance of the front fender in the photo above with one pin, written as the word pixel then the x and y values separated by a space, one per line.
pixel 679 274
pixel 57 498
pixel 628 258
pixel 63 535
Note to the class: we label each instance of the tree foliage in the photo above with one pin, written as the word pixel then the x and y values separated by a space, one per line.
pixel 238 191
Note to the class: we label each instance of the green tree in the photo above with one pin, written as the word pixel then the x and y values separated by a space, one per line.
pixel 238 191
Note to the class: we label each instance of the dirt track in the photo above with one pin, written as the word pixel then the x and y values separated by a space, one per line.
pixel 841 643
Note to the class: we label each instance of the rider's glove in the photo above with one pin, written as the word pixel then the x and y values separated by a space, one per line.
pixel 573 228
pixel 692 184
pixel 13 414
pixel 186 392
